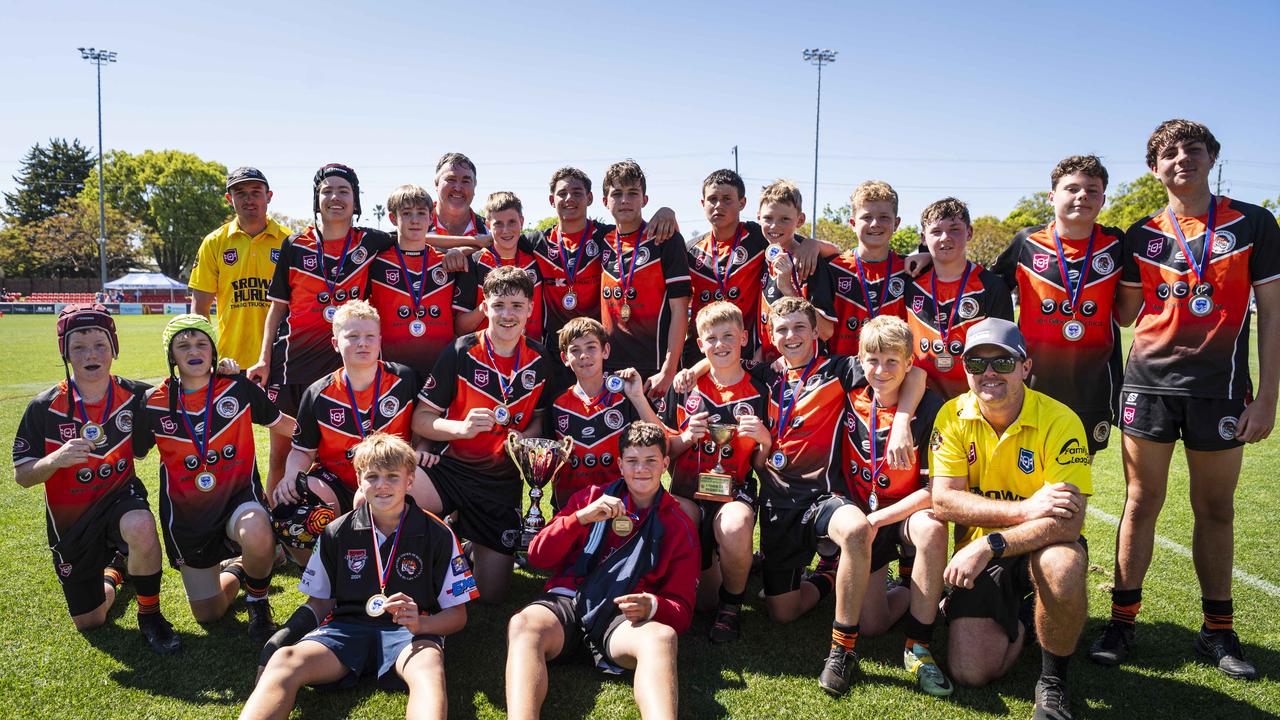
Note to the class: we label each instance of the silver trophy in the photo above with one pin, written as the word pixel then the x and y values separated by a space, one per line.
pixel 537 460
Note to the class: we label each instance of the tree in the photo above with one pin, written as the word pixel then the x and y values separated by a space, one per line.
pixel 65 244
pixel 47 178
pixel 544 224
pixel 990 238
pixel 176 194
pixel 295 224
pixel 833 227
pixel 1031 211
pixel 906 240
pixel 1133 201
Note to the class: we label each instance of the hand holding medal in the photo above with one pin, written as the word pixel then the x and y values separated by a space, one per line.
pixel 377 604
pixel 605 507
pixel 404 610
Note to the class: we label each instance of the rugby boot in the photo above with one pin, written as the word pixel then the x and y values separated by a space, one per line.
pixel 159 633
pixel 1114 644
pixel 1222 648
pixel 261 625
pixel 728 624
pixel 919 662
pixel 835 673
pixel 1053 700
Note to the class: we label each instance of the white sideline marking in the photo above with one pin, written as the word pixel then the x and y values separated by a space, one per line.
pixel 1164 542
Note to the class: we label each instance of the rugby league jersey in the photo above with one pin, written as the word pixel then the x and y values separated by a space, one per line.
pixel 866 467
pixel 643 279
pixel 724 404
pixel 595 424
pixel 484 261
pixel 939 325
pixel 856 303
pixel 561 255
pixel 416 300
pixel 816 289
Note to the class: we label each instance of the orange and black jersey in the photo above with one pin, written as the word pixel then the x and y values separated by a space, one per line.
pixel 483 261
pixel 810 442
pixel 465 377
pixel 727 270
pixel 416 299
pixel 724 404
pixel 52 419
pixel 816 289
pixel 886 284
pixel 595 424
pixel 560 255
pixel 861 469
pixel 330 426
pixel 230 411
pixel 644 279
pixel 1176 351
pixel 311 283
pixel 1076 363
pixel 985 295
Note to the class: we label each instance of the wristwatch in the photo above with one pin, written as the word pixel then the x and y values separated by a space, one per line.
pixel 997 544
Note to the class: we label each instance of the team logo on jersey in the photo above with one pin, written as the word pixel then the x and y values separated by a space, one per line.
pixel 121 464
pixel 1129 413
pixel 509 537
pixel 1227 428
pixel 340 296
pixel 1026 461
pixel 844 284
pixel 612 419
pixel 228 407
pixel 84 476
pixel 1155 247
pixel 481 376
pixel 1224 241
pixel 309 262
pixel 439 276
pixel 337 416
pixel 1162 291
pixel 693 403
pixel 124 421
pixel 1073 453
pixel 935 440
pixel 937 346
pixel 431 382
pixel 968 308
pixel 1101 431
pixel 562 422
pixel 104 471
pixel 528 379
pixel 917 304
pixel 393 277
pixel 660 405
pixel 408 566
pixel 228 451
pixel 1088 308
pixel 389 406
pixel 740 409
pixel 1181 289
pixel 812 383
pixel 20 446
pixel 642 256
pixel 1103 264
pixel 275 255
pixel 1040 262
pixel 896 287
pixel 592 249
pixel 589 460
pixel 230 256
pixel 356 560
pixel 191 462
pixel 67 431
pixel 433 311
pixel 606 458
pixel 167 425
pixel 359 255
pixel 972 457
pixel 273 392
pixel 705 296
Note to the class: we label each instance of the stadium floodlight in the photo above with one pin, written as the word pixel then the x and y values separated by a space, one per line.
pixel 817 57
pixel 100 58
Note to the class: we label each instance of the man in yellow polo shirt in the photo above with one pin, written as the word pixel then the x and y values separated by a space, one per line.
pixel 1010 468
pixel 235 265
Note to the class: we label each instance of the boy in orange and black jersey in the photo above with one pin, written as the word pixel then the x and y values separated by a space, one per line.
pixel 726 395
pixel 950 297
pixel 1066 273
pixel 871 279
pixel 484 387
pixel 418 299
pixel 365 395
pixel 510 249
pixel 896 501
pixel 594 410
pixel 644 289
pixel 726 263
pixel 781 212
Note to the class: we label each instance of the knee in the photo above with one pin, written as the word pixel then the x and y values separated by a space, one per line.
pixel 734 527
pixel 206 612
pixel 971 675
pixel 255 532
pixel 90 620
pixel 1219 510
pixel 661 638
pixel 521 629
pixel 782 613
pixel 930 534
pixel 284 665
pixel 854 534
pixel 138 528
pixel 690 509
pixel 1061 566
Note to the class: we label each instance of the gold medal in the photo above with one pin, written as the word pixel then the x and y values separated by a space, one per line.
pixel 376 605
pixel 94 433
pixel 623 525
pixel 625 312
pixel 206 481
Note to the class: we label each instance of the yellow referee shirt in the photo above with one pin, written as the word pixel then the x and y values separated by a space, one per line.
pixel 237 269
pixel 1045 445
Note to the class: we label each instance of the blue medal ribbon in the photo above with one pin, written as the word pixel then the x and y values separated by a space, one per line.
pixel 624 283
pixel 201 443
pixel 723 282
pixel 945 332
pixel 79 401
pixel 355 407
pixel 384 571
pixel 503 384
pixel 415 296
pixel 785 411
pixel 342 262
pixel 1073 293
pixel 874 310
pixel 570 267
pixel 1197 265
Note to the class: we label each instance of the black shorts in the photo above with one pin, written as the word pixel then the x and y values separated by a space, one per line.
pixel 999 593
pixel 488 509
pixel 575 644
pixel 1203 424
pixel 80 558
pixel 706 526
pixel 884 549
pixel 204 546
pixel 789 538
pixel 286 397
pixel 1097 426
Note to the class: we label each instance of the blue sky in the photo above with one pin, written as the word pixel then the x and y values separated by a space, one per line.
pixel 978 100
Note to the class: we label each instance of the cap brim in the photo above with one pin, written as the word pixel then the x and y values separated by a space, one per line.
pixel 242 181
pixel 1002 346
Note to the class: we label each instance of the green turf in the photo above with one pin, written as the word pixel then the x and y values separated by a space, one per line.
pixel 47 670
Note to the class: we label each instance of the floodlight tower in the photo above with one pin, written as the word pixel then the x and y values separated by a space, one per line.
pixel 819 58
pixel 100 58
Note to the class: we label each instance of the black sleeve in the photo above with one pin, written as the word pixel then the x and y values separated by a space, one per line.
pixel 819 292
pixel 376 240
pixel 1130 271
pixel 261 410
pixel 280 289
pixel 675 267
pixel 143 437
pixel 999 297
pixel 1006 266
pixel 1264 258
pixel 922 427
pixel 441 385
pixel 28 443
pixel 307 434
pixel 849 370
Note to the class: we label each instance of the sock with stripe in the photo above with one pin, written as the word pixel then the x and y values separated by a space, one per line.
pixel 844 636
pixel 255 589
pixel 1125 605
pixel 825 582
pixel 1218 614
pixel 148 587
pixel 916 631
pixel 112 577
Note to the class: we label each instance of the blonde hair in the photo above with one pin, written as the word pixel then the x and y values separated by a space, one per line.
pixel 716 313
pixel 782 192
pixel 503 200
pixel 385 451
pixel 581 327
pixel 873 191
pixel 351 311
pixel 885 333
pixel 409 196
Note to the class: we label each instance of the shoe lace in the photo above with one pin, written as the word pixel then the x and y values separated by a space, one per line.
pixel 838 660
pixel 1230 645
pixel 1053 695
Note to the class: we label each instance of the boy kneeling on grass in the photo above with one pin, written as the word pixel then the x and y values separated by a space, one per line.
pixel 393 576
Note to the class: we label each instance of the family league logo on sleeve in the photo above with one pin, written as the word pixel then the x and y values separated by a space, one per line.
pixel 393 277
pixel 67 431
pixel 917 304
pixel 309 262
pixel 1026 461
pixel 356 560
pixel 562 422
pixel 1073 453
pixel 1154 247
pixel 481 377
pixel 844 284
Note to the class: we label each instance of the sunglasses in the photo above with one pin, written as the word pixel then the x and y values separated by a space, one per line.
pixel 1004 364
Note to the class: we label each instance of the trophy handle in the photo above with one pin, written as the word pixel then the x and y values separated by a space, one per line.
pixel 512 444
pixel 565 451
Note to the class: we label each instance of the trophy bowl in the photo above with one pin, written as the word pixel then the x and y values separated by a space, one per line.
pixel 716 485
pixel 537 460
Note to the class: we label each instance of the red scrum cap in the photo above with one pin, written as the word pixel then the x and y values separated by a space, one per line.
pixel 86 317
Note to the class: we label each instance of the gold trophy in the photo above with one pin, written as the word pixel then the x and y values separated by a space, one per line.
pixel 537 460
pixel 717 485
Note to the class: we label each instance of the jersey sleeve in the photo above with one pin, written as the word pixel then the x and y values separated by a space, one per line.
pixel 280 289
pixel 28 443
pixel 464 289
pixel 946 445
pixel 1130 273
pixel 315 579
pixel 675 267
pixel 307 435
pixel 261 410
pixel 204 273
pixel 1264 260
pixel 1001 298
pixel 142 438
pixel 452 573
pixel 849 371
pixel 441 385
pixel 1006 265
pixel 922 427
pixel 819 292
pixel 1067 444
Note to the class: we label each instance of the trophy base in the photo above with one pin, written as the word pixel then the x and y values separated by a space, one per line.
pixel 526 537
pixel 714 487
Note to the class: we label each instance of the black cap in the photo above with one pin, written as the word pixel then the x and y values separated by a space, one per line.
pixel 246 174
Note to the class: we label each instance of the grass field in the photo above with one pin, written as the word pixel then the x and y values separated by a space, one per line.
pixel 47 670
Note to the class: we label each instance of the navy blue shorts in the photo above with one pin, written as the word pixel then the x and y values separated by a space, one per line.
pixel 364 648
